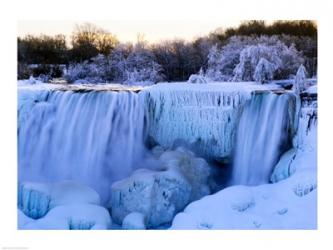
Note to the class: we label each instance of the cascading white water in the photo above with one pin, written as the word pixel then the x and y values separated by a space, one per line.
pixel 262 136
pixel 94 137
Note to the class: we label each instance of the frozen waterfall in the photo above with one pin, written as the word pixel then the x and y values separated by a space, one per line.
pixel 265 130
pixel 92 137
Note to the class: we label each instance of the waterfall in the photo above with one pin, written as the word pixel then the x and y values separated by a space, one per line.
pixel 263 134
pixel 93 137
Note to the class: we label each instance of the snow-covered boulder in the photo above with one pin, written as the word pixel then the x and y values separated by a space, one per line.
pixel 195 169
pixel 36 199
pixel 134 221
pixel 74 217
pixel 183 178
pixel 157 195
pixel 69 192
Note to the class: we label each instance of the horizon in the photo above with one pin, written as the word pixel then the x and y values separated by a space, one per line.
pixel 127 31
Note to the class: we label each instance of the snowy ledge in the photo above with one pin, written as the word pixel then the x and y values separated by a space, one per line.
pixel 80 87
pixel 176 86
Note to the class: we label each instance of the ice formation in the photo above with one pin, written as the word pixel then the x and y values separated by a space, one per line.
pixel 159 195
pixel 60 205
pixel 36 199
pixel 202 117
pixel 303 155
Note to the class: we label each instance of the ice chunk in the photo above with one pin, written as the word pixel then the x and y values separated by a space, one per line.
pixel 284 168
pixel 34 199
pixel 134 221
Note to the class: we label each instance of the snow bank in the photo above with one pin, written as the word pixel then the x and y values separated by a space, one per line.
pixel 289 204
pixel 74 217
pixel 159 195
pixel 203 117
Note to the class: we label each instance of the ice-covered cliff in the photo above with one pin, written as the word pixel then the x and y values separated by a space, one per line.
pixel 204 117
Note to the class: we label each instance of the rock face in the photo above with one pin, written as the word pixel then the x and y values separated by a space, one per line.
pixel 159 195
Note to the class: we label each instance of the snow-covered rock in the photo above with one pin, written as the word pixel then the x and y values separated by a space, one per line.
pixel 36 199
pixel 74 217
pixel 194 169
pixel 159 195
pixel 134 221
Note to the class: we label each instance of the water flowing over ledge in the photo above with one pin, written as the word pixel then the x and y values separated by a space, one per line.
pixel 97 135
pixel 92 137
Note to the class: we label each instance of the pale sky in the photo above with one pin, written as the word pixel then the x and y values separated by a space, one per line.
pixel 128 30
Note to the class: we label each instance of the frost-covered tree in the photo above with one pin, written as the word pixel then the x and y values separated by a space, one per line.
pixel 300 80
pixel 264 71
pixel 124 65
pixel 238 59
pixel 95 71
pixel 222 62
pixel 141 67
pixel 250 57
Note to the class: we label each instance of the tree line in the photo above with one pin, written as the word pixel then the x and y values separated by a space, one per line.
pixel 171 60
